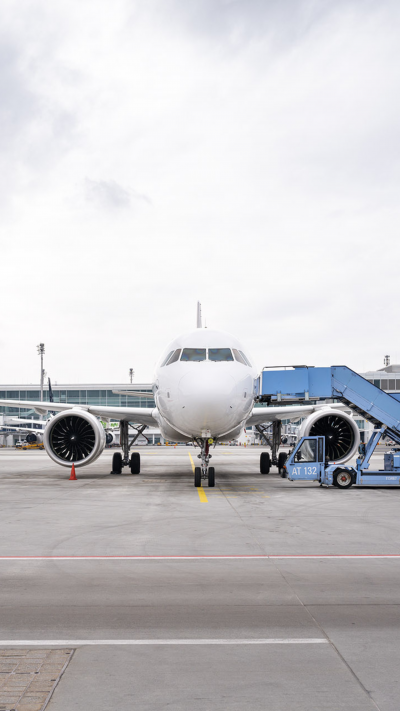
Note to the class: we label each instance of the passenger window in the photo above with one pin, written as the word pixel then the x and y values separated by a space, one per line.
pixel 246 359
pixel 174 357
pixel 238 357
pixel 220 354
pixel 193 354
pixel 167 358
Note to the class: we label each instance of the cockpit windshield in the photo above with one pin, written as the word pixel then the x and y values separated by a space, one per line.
pixel 193 354
pixel 217 355
pixel 220 354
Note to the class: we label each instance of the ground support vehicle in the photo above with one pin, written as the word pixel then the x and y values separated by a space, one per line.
pixel 308 461
pixel 31 445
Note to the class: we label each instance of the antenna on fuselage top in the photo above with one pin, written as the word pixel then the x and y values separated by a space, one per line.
pixel 199 324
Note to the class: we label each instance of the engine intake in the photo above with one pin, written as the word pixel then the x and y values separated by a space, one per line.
pixel 341 433
pixel 110 437
pixel 74 436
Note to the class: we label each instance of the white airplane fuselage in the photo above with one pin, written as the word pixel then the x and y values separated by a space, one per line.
pixel 206 388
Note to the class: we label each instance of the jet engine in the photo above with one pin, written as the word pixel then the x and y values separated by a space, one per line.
pixel 110 437
pixel 341 433
pixel 33 437
pixel 74 436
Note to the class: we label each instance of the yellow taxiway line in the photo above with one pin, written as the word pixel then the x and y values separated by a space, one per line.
pixel 200 490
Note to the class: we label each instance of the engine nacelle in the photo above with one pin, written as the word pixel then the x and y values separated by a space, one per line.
pixel 110 437
pixel 34 437
pixel 341 433
pixel 74 437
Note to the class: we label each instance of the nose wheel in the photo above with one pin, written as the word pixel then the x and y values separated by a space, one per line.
pixel 209 474
pixel 204 472
pixel 197 477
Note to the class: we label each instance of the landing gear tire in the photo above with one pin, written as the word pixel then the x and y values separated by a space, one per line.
pixel 134 463
pixel 342 479
pixel 282 457
pixel 117 463
pixel 211 476
pixel 197 477
pixel 265 463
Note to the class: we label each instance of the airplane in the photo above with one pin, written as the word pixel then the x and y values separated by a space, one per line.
pixel 205 390
pixel 15 425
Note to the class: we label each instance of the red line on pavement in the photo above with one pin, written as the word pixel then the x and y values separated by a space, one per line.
pixel 199 557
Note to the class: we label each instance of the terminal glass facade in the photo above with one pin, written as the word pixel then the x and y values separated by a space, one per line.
pixel 387 384
pixel 76 395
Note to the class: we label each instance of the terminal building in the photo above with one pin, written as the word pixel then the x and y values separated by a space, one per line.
pixel 386 378
pixel 98 394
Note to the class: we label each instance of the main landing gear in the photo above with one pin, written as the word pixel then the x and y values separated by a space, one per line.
pixel 204 471
pixel 266 462
pixel 274 442
pixel 123 460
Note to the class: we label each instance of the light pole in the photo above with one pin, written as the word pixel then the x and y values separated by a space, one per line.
pixel 131 374
pixel 40 350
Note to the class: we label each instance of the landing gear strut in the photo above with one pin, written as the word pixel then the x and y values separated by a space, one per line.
pixel 273 440
pixel 204 471
pixel 122 460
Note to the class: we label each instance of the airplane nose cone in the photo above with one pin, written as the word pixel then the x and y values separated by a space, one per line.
pixel 207 403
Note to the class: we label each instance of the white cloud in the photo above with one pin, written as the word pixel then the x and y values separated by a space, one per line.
pixel 266 136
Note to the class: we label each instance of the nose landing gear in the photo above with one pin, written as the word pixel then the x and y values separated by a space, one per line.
pixel 204 472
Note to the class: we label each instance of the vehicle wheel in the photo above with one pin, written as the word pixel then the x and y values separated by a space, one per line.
pixel 282 457
pixel 342 479
pixel 135 463
pixel 116 463
pixel 211 476
pixel 197 477
pixel 265 463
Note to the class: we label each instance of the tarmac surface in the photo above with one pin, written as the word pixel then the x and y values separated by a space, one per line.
pixel 258 594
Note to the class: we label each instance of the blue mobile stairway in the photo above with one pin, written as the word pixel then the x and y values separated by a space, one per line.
pixel 307 460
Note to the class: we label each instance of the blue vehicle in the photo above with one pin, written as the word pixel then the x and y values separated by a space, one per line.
pixel 307 462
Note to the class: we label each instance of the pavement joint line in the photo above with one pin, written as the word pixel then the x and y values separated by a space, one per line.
pixel 328 638
pixel 131 642
pixel 349 556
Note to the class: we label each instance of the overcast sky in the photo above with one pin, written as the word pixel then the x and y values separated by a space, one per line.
pixel 156 152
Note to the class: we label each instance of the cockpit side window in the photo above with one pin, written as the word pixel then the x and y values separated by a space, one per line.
pixel 167 358
pixel 238 357
pixel 246 358
pixel 220 354
pixel 174 357
pixel 193 354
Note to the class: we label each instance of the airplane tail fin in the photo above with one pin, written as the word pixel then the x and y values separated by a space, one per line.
pixel 199 324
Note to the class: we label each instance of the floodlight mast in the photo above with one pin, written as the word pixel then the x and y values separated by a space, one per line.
pixel 40 350
pixel 131 374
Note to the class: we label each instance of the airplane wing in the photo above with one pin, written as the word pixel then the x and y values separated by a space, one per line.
pixel 142 415
pixel 290 412
pixel 13 428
